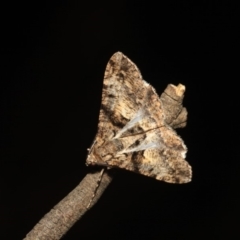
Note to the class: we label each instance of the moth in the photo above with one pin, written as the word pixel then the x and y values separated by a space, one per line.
pixel 133 131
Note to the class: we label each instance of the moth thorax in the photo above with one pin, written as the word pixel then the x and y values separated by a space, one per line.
pixel 108 150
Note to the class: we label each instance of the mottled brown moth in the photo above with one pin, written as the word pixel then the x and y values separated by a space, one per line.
pixel 133 131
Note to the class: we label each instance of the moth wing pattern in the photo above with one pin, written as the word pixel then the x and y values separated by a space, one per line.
pixel 132 132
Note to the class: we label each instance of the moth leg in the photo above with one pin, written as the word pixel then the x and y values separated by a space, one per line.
pixel 96 188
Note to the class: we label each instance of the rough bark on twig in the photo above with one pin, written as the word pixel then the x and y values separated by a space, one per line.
pixel 62 217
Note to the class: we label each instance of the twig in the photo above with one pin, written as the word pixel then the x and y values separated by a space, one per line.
pixel 63 216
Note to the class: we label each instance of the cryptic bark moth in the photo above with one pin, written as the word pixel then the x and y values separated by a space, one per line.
pixel 134 130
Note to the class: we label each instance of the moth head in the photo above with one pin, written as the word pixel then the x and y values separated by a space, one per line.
pixel 101 154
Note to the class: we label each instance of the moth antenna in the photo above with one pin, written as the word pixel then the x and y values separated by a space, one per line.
pixel 90 149
pixel 96 188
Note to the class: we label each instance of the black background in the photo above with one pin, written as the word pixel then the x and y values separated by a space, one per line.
pixel 53 57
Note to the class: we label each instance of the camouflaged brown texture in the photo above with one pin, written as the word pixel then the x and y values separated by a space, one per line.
pixel 133 131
